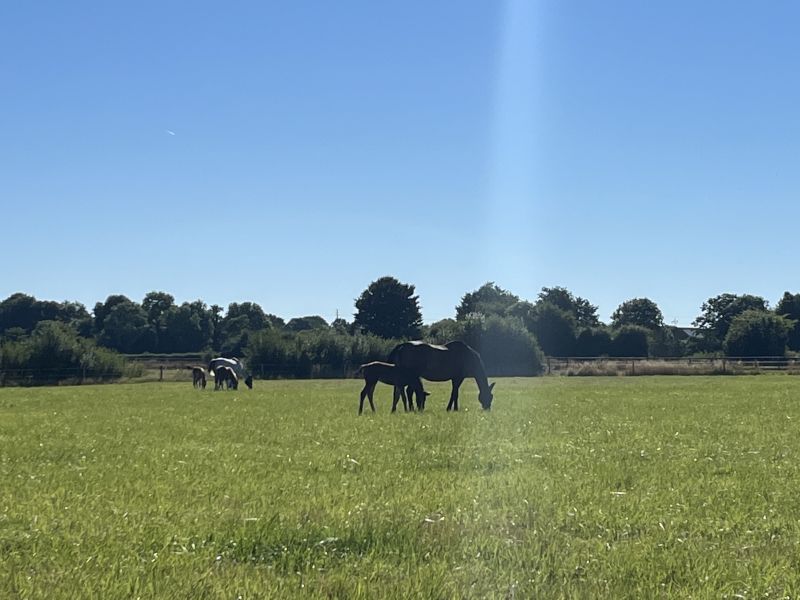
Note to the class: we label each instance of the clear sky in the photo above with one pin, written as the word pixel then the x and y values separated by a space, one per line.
pixel 289 153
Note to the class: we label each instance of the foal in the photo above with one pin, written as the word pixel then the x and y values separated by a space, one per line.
pixel 198 377
pixel 225 377
pixel 395 376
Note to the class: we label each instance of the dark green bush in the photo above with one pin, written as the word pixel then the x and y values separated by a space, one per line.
pixel 757 333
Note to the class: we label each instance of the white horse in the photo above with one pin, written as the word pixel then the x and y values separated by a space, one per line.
pixel 236 365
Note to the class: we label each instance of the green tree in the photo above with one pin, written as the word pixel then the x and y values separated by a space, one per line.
pixel 757 333
pixel 584 312
pixel 340 325
pixel 506 347
pixel 641 312
pixel 554 329
pixel 216 326
pixel 789 306
pixel 593 341
pixel 630 340
pixel 125 329
pixel 55 352
pixel 157 305
pixel 307 323
pixel 487 300
pixel 19 310
pixel 389 309
pixel 239 322
pixel 445 331
pixel 524 311
pixel 718 314
pixel 256 318
pixel 102 310
pixel 187 328
pixel 665 341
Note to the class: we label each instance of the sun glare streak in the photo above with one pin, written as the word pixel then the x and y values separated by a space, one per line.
pixel 511 202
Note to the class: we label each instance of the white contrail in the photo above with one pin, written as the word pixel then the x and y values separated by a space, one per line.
pixel 169 131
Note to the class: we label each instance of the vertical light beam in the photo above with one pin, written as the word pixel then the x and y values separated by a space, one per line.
pixel 511 199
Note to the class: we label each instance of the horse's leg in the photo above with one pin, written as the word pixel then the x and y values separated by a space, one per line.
pixel 453 404
pixel 369 389
pixel 410 392
pixel 361 399
pixel 396 394
pixel 407 406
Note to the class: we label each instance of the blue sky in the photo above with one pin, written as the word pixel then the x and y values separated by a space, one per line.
pixel 620 149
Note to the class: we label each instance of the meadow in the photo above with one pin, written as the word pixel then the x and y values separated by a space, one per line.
pixel 569 488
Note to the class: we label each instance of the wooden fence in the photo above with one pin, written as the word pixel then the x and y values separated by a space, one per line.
pixel 670 366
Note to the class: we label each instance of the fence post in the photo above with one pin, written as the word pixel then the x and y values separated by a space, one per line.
pixel 724 372
pixel 633 366
pixel 548 365
pixel 161 373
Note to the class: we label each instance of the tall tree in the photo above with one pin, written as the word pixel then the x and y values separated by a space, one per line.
pixel 19 311
pixel 389 309
pixel 789 306
pixel 718 313
pixel 487 300
pixel 125 328
pixel 585 312
pixel 216 326
pixel 554 329
pixel 256 319
pixel 156 305
pixel 642 312
pixel 102 310
pixel 187 328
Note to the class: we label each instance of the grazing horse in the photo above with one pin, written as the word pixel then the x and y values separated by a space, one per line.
pixel 398 378
pixel 198 377
pixel 225 377
pixel 234 363
pixel 455 361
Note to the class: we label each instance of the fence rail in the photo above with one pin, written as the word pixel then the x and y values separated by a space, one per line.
pixel 577 365
pixel 174 369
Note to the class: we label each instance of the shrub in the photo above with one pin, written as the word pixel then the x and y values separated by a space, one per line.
pixel 757 333
pixel 630 340
pixel 505 346
pixel 593 341
pixel 54 352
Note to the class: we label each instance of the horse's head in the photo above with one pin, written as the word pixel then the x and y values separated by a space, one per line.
pixel 421 400
pixel 248 381
pixel 485 397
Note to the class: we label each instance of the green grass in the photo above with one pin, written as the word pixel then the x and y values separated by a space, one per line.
pixel 568 488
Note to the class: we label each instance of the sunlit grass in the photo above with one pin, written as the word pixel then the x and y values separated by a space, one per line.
pixel 615 487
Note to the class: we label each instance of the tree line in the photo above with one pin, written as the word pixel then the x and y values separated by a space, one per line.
pixel 512 334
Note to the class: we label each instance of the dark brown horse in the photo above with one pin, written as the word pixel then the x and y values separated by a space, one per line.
pixel 455 361
pixel 399 378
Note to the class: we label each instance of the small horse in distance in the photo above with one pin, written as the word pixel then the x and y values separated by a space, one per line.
pixel 198 377
pixel 398 378
pixel 225 377
pixel 455 361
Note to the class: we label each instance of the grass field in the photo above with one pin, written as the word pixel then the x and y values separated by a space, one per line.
pixel 568 488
